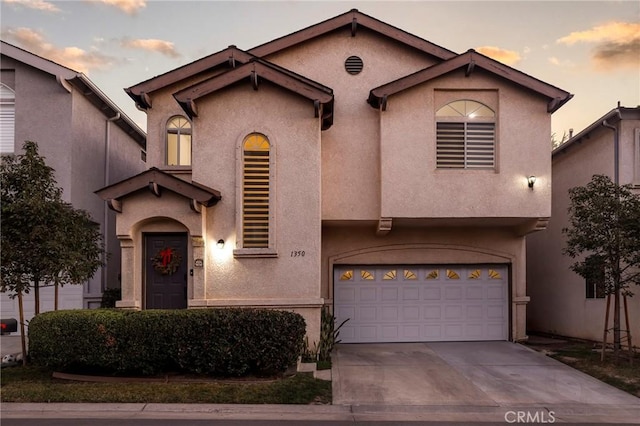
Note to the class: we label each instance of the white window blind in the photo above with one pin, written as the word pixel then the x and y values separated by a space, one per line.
pixel 256 192
pixel 7 120
pixel 465 145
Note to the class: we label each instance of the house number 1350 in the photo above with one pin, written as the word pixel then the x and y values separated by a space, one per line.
pixel 297 253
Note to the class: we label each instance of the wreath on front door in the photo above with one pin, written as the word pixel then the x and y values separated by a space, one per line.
pixel 166 261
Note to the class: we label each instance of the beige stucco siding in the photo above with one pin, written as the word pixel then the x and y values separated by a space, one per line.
pixel 413 187
pixel 288 122
pixel 350 148
pixel 558 303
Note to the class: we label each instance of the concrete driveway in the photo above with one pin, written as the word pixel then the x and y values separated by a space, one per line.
pixel 490 377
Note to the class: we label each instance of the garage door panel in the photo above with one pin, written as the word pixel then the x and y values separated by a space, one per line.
pixel 474 312
pixel 411 313
pixel 453 293
pixel 432 293
pixel 474 292
pixel 368 294
pixel 421 303
pixel 390 314
pixel 390 294
pixel 453 312
pixel 368 313
pixel 411 293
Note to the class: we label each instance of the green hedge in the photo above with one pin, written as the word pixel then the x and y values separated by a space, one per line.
pixel 220 342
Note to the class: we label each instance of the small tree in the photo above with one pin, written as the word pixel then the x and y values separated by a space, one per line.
pixel 44 239
pixel 604 224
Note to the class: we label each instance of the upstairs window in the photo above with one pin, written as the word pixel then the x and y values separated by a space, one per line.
pixel 7 119
pixel 594 283
pixel 178 142
pixel 465 136
pixel 256 191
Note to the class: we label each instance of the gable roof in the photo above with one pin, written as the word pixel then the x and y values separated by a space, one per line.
pixel 253 72
pixel 224 59
pixel 470 59
pixel 69 78
pixel 228 57
pixel 352 20
pixel 154 180
pixel 614 116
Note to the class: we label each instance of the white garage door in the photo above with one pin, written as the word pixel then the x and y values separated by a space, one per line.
pixel 421 303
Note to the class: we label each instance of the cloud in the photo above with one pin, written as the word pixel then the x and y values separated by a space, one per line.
pixel 130 7
pixel 43 5
pixel 71 57
pixel 154 45
pixel 617 44
pixel 508 57
pixel 561 63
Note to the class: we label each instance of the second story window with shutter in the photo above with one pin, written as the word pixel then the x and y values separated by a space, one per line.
pixel 256 192
pixel 465 136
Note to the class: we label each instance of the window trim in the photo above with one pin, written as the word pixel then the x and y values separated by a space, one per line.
pixel 167 131
pixel 468 145
pixel 240 251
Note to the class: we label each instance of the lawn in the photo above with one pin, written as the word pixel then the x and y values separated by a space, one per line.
pixel 585 357
pixel 33 384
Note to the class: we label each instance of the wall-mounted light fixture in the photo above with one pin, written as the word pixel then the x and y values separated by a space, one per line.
pixel 220 243
pixel 531 180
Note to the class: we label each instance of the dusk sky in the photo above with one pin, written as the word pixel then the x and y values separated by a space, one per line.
pixel 590 49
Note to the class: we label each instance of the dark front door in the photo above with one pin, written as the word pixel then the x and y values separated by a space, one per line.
pixel 166 271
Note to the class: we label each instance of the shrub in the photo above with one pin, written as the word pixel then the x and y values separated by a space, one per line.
pixel 109 297
pixel 222 342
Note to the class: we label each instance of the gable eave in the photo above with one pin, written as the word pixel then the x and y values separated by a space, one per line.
pixel 612 117
pixel 253 73
pixel 472 60
pixel 352 19
pixel 153 179
pixel 228 57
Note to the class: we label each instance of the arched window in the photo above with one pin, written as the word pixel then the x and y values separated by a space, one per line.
pixel 256 191
pixel 7 119
pixel 465 136
pixel 178 142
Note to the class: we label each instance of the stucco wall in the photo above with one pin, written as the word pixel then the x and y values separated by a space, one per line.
pixel 413 187
pixel 288 122
pixel 558 303
pixel 43 115
pixel 350 148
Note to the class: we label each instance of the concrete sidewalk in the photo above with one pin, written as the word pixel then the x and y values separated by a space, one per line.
pixel 576 414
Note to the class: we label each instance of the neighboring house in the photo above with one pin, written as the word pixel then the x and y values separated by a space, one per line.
pixel 562 302
pixel 84 136
pixel 348 164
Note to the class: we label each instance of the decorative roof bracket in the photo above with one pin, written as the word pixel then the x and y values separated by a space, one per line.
pixel 115 205
pixel 383 104
pixel 254 79
pixel 470 68
pixel 316 108
pixel 354 26
pixel 154 188
pixel 195 205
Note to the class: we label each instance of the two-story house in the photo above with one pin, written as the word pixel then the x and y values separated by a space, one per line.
pixel 562 302
pixel 349 164
pixel 84 137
